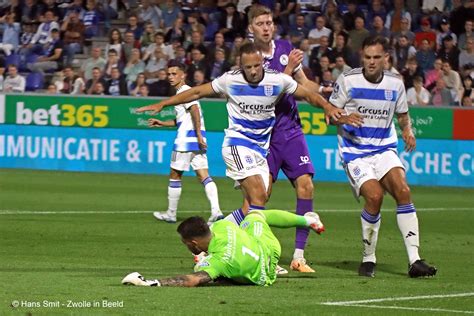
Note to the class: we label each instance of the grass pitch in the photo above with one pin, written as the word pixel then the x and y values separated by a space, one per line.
pixel 67 239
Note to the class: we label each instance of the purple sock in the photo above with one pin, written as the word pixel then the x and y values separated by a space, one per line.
pixel 302 206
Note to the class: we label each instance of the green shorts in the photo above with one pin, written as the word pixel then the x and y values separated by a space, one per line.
pixel 256 226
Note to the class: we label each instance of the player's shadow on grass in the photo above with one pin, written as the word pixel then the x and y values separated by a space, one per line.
pixel 341 265
pixel 296 275
pixel 354 267
pixel 221 282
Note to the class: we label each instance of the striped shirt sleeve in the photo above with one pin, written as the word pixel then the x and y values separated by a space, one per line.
pixel 219 84
pixel 339 95
pixel 289 84
pixel 402 103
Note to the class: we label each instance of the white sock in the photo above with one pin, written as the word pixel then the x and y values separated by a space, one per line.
pixel 370 233
pixel 174 193
pixel 408 224
pixel 235 217
pixel 212 195
pixel 299 253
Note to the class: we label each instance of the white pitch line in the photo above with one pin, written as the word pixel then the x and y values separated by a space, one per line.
pixel 412 308
pixel 392 299
pixel 39 212
pixel 421 209
pixel 18 212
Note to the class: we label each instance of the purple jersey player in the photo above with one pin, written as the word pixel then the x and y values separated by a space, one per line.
pixel 288 148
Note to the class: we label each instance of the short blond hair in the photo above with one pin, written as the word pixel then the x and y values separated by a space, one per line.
pixel 257 10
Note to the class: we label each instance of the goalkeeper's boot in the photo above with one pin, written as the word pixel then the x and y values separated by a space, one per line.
pixel 314 222
pixel 367 269
pixel 215 217
pixel 420 268
pixel 279 270
pixel 300 265
pixel 165 216
pixel 137 279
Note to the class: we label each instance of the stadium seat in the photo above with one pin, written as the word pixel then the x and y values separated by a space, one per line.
pixel 342 8
pixel 211 30
pixel 13 59
pixel 364 8
pixel 34 81
pixel 30 58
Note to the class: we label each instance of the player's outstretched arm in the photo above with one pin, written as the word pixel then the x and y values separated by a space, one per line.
pixel 353 119
pixel 159 123
pixel 407 133
pixel 188 280
pixel 331 113
pixel 192 94
pixel 301 78
pixel 196 118
pixel 315 99
pixel 312 87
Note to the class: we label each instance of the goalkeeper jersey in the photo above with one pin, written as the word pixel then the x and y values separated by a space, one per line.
pixel 235 254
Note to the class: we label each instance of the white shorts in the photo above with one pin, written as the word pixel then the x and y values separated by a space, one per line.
pixel 181 160
pixel 243 162
pixel 360 170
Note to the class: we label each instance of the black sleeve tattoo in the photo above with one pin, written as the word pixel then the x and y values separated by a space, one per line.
pixel 188 280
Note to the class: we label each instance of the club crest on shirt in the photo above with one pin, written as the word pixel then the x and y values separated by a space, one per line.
pixel 335 90
pixel 357 171
pixel 248 159
pixel 268 90
pixel 284 59
pixel 388 95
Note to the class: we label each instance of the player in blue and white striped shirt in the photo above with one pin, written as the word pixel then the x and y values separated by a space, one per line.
pixel 189 149
pixel 369 151
pixel 252 94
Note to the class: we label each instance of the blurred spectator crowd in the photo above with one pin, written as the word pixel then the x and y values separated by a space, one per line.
pixel 122 47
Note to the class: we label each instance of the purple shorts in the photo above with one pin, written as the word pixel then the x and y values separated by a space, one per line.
pixel 289 152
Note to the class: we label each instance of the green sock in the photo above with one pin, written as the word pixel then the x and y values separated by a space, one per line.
pixel 284 219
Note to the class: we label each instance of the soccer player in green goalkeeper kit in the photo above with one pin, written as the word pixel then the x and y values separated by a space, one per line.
pixel 246 254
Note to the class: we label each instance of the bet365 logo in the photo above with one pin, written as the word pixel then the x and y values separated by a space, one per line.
pixel 64 115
